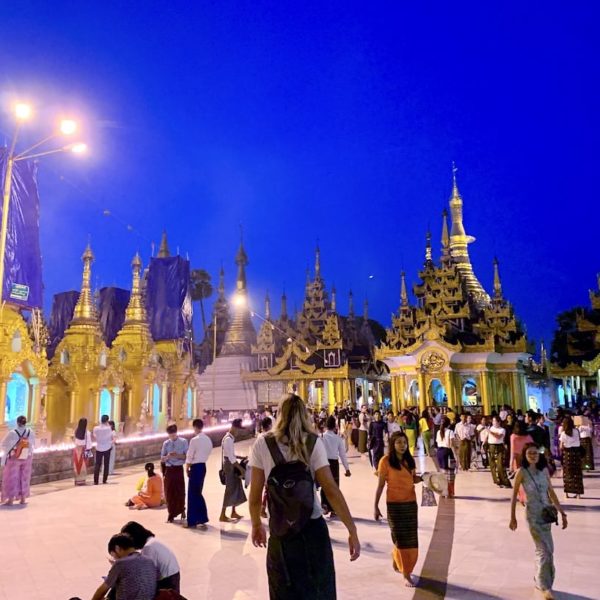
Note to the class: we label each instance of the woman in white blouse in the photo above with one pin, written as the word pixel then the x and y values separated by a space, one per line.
pixel 446 462
pixel 570 448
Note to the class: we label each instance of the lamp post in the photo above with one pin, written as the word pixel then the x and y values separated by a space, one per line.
pixel 22 113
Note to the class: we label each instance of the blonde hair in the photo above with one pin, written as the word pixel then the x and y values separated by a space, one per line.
pixel 292 425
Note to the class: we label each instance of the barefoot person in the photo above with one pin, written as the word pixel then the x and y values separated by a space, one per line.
pixel 299 554
pixel 18 463
pixel 173 455
pixel 397 471
pixel 534 477
pixel 151 493
pixel 234 491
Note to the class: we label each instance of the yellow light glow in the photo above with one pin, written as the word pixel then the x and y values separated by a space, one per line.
pixel 22 111
pixel 239 300
pixel 68 127
pixel 78 148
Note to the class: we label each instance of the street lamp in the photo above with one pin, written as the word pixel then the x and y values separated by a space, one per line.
pixel 23 113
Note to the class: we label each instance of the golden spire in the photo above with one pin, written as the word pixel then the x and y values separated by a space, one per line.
pixel 403 294
pixel 445 236
pixel 163 250
pixel 136 311
pixel 333 299
pixel 456 207
pixel 459 251
pixel 351 304
pixel 240 334
pixel 497 282
pixel 241 260
pixel 284 313
pixel 85 310
pixel 267 307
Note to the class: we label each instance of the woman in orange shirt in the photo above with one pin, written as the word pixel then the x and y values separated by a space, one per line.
pixel 397 471
pixel 150 495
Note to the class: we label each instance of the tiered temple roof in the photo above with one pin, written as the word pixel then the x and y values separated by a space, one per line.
pixel 319 337
pixel 451 304
pixel 576 344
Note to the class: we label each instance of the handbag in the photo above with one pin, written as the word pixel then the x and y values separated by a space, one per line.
pixel 428 497
pixel 549 512
pixel 222 477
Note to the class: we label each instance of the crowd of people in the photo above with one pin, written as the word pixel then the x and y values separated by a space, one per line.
pixel 305 447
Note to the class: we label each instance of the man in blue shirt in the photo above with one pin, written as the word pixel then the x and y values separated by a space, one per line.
pixel 172 456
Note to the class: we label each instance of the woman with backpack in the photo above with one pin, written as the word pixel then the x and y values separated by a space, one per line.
pixel 299 553
pixel 18 462
pixel 397 471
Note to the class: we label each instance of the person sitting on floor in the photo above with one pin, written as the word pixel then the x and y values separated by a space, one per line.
pixel 162 556
pixel 151 493
pixel 132 576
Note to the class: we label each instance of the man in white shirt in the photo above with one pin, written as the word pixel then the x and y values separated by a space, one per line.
pixel 195 466
pixel 465 433
pixel 496 450
pixel 233 472
pixel 336 451
pixel 104 436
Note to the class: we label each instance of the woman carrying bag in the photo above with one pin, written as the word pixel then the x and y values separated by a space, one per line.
pixel 541 510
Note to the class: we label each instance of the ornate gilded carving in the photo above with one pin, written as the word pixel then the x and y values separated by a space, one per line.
pixel 432 362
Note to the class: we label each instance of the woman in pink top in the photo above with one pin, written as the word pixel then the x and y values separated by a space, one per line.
pixel 518 440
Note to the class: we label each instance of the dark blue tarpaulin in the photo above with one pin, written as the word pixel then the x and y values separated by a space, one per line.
pixel 23 260
pixel 113 302
pixel 168 300
pixel 63 307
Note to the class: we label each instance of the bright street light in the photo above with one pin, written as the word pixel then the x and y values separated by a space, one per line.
pixel 22 111
pixel 68 127
pixel 78 148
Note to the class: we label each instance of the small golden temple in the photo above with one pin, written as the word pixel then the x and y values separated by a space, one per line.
pixel 456 344
pixel 325 357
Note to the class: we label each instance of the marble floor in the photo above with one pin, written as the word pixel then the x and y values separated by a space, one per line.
pixel 55 547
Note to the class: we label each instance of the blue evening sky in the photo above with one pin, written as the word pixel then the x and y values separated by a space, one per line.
pixel 335 121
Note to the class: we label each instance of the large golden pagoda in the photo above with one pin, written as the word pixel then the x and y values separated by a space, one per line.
pixel 323 356
pixel 455 345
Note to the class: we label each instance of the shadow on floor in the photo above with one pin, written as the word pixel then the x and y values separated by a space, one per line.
pixel 433 588
pixel 479 498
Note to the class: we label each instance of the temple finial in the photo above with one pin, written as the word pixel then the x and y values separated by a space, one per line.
pixel 221 288
pixel 456 207
pixel 333 299
pixel 284 312
pixel 318 262
pixel 136 311
pixel 267 307
pixel 428 258
pixel 163 250
pixel 403 293
pixel 351 304
pixel 366 309
pixel 85 308
pixel 241 260
pixel 497 282
pixel 445 236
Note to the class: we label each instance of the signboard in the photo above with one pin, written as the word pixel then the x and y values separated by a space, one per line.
pixel 18 291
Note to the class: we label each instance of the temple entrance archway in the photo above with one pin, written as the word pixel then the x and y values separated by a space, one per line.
pixel 413 393
pixel 437 393
pixel 17 398
pixel 105 404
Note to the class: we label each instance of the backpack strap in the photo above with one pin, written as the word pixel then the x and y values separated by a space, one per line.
pixel 274 450
pixel 311 440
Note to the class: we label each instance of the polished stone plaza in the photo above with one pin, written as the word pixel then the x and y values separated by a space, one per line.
pixel 55 547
